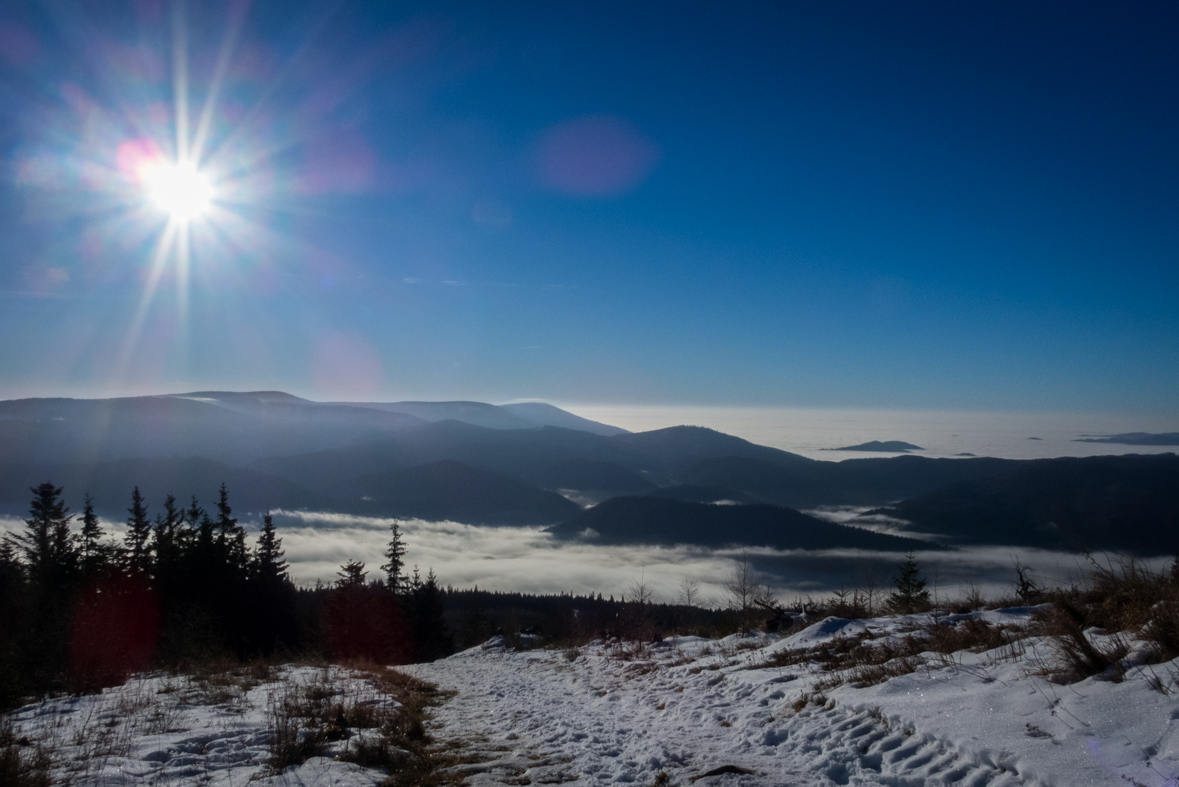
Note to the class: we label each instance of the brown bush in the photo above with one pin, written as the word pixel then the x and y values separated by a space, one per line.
pixel 1076 657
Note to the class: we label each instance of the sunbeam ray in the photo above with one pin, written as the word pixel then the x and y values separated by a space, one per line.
pixel 233 29
pixel 180 76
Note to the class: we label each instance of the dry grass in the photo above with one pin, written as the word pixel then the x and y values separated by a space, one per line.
pixel 1123 599
pixel 865 661
pixel 384 726
pixel 1090 629
pixel 1075 655
pixel 366 714
pixel 23 763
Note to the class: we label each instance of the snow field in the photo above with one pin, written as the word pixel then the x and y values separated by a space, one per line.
pixel 687 706
pixel 744 710
pixel 215 730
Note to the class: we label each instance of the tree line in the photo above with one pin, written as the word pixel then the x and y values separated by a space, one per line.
pixel 80 609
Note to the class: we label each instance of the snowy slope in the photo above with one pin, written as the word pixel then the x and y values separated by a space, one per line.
pixel 689 707
pixel 163 729
pixel 753 710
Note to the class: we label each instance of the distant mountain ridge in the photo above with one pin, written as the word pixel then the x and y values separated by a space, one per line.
pixel 890 446
pixel 420 459
pixel 523 415
pixel 659 520
pixel 1135 438
pixel 232 426
pixel 1091 503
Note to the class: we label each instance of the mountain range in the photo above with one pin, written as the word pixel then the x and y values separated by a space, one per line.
pixel 527 464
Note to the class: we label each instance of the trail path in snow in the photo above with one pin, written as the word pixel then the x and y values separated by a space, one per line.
pixel 689 707
pixel 536 718
pixel 684 711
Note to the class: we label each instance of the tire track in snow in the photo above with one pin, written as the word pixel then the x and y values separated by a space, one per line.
pixel 534 718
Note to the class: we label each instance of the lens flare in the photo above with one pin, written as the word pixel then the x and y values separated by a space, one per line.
pixel 178 189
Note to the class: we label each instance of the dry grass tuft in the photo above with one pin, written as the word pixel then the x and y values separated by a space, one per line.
pixel 1076 656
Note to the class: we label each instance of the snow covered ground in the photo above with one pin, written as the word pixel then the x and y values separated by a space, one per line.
pixel 217 730
pixel 752 710
pixel 690 707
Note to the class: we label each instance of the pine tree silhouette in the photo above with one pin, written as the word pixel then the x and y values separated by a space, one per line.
pixel 138 534
pixel 910 594
pixel 351 574
pixel 427 619
pixel 94 554
pixel 165 537
pixel 49 549
pixel 231 538
pixel 268 566
pixel 395 554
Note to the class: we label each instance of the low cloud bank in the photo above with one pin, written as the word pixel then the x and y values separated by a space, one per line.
pixel 528 560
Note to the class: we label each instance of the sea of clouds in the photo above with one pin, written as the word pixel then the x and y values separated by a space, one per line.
pixel 529 560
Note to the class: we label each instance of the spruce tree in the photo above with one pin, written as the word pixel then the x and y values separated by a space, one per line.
pixel 351 574
pixel 395 554
pixel 427 619
pixel 51 558
pixel 93 553
pixel 48 547
pixel 910 594
pixel 186 531
pixel 165 535
pixel 269 568
pixel 138 534
pixel 231 537
pixel 192 516
pixel 271 592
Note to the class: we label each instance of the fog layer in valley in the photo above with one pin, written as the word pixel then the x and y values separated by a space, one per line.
pixel 526 559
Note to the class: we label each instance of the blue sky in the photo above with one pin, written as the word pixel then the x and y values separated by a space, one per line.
pixel 918 205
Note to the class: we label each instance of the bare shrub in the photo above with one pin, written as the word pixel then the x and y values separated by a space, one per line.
pixel 970 599
pixel 289 743
pixel 1026 589
pixel 1077 657
pixel 745 589
pixel 637 620
pixel 970 634
pixel 304 718
pixel 1162 630
pixel 864 675
pixel 1122 593
pixel 689 592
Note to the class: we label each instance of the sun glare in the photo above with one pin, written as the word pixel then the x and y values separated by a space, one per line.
pixel 179 189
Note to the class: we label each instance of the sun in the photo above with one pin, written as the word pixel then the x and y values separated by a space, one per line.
pixel 178 189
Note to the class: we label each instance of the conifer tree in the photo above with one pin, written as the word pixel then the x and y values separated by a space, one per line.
pixel 910 594
pixel 165 536
pixel 94 553
pixel 205 541
pixel 186 532
pixel 138 534
pixel 395 554
pixel 231 537
pixel 427 619
pixel 269 568
pixel 351 574
pixel 11 571
pixel 48 546
pixel 192 516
